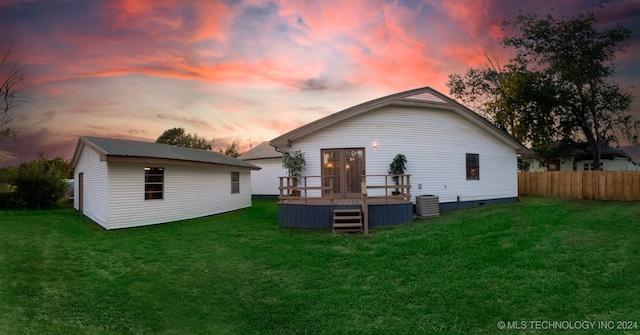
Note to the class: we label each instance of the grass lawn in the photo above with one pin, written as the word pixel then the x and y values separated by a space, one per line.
pixel 238 273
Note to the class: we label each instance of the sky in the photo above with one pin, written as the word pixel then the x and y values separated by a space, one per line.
pixel 251 70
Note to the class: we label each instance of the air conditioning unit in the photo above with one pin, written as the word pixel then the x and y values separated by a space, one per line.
pixel 428 206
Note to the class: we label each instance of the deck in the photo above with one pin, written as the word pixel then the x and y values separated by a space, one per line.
pixel 303 210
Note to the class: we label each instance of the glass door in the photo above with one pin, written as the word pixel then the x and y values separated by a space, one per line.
pixel 331 168
pixel 345 168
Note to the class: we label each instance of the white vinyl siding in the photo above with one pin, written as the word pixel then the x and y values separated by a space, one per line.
pixel 434 141
pixel 114 192
pixel 189 192
pixel 95 187
pixel 265 181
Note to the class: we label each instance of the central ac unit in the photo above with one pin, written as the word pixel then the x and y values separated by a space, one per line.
pixel 428 206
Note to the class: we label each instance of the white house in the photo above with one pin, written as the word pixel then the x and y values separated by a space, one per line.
pixel 264 182
pixel 581 159
pixel 451 151
pixel 121 183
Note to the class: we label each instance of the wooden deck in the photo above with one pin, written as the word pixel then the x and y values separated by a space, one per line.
pixel 307 209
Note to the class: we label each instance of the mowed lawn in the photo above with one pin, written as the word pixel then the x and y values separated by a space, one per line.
pixel 239 273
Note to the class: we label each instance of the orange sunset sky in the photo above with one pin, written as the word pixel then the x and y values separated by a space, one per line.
pixel 246 69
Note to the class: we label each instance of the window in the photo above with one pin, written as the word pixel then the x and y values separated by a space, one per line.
pixel 473 166
pixel 153 183
pixel 591 167
pixel 553 165
pixel 235 182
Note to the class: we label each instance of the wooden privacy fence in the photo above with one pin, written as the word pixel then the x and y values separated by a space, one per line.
pixel 597 185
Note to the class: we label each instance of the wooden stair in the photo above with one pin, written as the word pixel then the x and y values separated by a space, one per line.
pixel 347 220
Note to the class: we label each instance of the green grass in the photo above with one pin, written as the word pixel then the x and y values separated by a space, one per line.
pixel 238 273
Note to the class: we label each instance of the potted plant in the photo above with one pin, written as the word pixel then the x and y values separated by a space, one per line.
pixel 397 167
pixel 294 162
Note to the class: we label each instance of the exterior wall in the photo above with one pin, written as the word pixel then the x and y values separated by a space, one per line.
pixel 621 164
pixel 565 165
pixel 95 175
pixel 435 143
pixel 617 164
pixel 189 192
pixel 265 181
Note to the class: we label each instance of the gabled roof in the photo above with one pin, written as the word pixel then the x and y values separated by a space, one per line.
pixel 261 151
pixel 110 148
pixel 632 151
pixel 422 97
pixel 582 151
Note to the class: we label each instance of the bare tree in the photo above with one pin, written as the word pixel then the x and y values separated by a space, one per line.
pixel 12 78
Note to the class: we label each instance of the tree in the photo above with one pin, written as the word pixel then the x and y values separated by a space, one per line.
pixel 12 78
pixel 556 90
pixel 39 183
pixel 178 137
pixel 233 149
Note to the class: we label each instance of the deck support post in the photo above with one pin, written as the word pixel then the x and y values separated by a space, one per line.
pixel 365 208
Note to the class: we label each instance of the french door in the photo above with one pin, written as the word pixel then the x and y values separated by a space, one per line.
pixel 345 168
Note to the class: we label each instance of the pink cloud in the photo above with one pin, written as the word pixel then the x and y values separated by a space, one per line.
pixel 166 19
pixel 248 69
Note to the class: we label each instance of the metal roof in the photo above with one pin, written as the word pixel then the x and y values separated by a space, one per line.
pixel 261 151
pixel 110 147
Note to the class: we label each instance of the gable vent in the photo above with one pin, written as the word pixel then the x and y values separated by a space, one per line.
pixel 426 96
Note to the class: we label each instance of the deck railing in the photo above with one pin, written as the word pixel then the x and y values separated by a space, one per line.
pixel 309 188
pixel 292 190
pixel 392 191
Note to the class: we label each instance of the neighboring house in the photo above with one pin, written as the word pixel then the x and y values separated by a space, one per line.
pixel 121 183
pixel 581 159
pixel 451 151
pixel 265 182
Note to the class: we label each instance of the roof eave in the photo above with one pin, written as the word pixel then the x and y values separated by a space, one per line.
pixel 284 142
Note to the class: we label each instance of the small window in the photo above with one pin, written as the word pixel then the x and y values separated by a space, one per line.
pixel 235 182
pixel 473 166
pixel 591 167
pixel 553 165
pixel 153 183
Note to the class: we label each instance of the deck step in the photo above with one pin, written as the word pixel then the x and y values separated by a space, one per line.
pixel 345 211
pixel 347 220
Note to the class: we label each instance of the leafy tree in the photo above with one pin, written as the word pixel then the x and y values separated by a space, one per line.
pixel 233 149
pixel 178 137
pixel 39 183
pixel 556 90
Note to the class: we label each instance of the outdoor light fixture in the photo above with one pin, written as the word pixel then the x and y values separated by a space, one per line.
pixel 375 145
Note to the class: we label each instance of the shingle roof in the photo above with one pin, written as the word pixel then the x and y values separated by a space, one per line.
pixel 110 147
pixel 261 151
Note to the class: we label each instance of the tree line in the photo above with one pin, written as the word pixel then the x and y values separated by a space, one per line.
pixel 557 90
pixel 178 137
